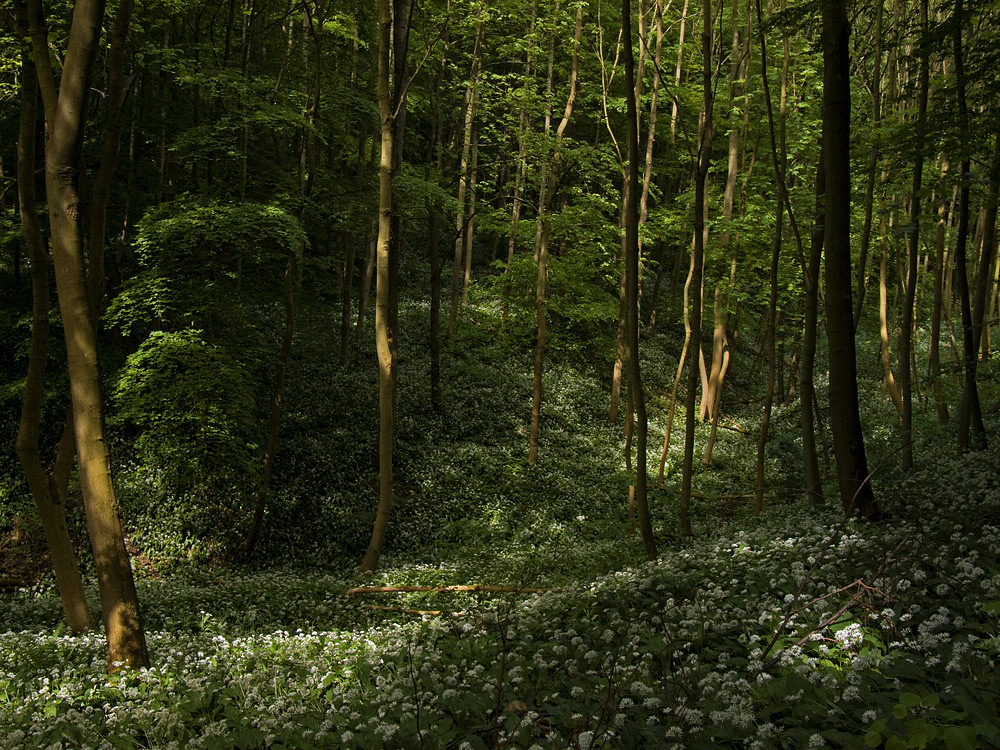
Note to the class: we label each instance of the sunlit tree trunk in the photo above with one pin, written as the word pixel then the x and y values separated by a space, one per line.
pixel 48 489
pixel 66 119
pixel 393 24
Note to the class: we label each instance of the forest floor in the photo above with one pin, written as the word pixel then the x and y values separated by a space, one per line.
pixel 792 629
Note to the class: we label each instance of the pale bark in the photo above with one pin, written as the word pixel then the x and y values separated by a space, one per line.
pixel 392 33
pixel 469 112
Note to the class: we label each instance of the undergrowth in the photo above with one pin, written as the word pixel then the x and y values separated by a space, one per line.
pixel 795 629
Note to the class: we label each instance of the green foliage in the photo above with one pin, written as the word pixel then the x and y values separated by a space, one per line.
pixel 189 410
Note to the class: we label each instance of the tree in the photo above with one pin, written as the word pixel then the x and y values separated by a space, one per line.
pixel 393 25
pixel 65 111
pixel 48 488
pixel 845 420
pixel 636 394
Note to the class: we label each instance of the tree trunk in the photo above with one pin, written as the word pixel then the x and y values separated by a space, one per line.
pixel 42 484
pixel 470 223
pixel 545 210
pixel 705 133
pixel 852 464
pixel 970 413
pixel 393 25
pixel 636 393
pixel 906 327
pixel 66 120
pixel 469 112
pixel 347 288
pixel 866 233
pixel 778 155
pixel 934 354
pixel 807 388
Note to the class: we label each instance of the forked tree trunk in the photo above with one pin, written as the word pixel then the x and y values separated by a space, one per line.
pixel 47 489
pixel 66 118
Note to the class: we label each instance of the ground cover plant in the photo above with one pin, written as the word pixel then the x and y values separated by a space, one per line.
pixel 793 629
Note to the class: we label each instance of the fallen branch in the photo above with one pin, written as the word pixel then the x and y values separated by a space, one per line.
pixel 406 611
pixel 439 589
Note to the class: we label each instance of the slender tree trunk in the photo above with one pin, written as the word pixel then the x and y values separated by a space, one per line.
pixel 852 464
pixel 970 413
pixel 705 133
pixel 66 117
pixel 934 354
pixel 906 327
pixel 873 158
pixel 468 109
pixel 288 288
pixel 393 25
pixel 680 367
pixel 807 388
pixel 365 286
pixel 101 193
pixel 889 381
pixel 988 254
pixel 778 154
pixel 675 109
pixel 347 288
pixel 43 486
pixel 636 394
pixel 470 222
pixel 543 245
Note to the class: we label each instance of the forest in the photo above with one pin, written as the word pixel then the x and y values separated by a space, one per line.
pixel 511 374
